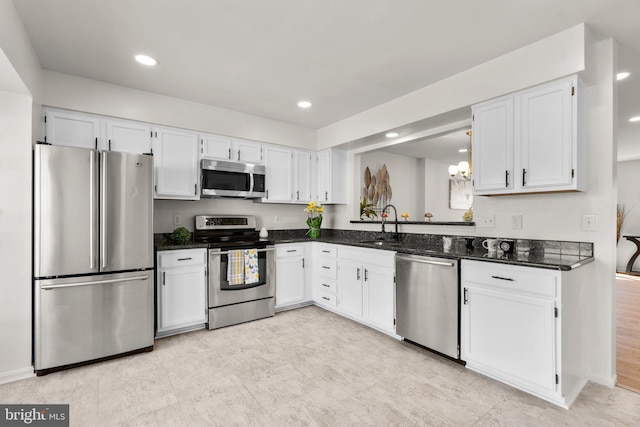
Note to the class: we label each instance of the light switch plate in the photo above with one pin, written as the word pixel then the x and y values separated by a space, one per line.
pixel 589 222
pixel 516 222
pixel 177 219
pixel 489 221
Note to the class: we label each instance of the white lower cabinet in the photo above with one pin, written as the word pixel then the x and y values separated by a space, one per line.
pixel 520 325
pixel 290 275
pixel 181 291
pixel 357 283
pixel 350 275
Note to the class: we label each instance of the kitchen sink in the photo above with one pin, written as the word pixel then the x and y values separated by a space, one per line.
pixel 381 243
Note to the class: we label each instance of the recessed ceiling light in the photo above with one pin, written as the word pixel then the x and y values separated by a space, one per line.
pixel 304 104
pixel 622 75
pixel 146 60
pixel 462 150
pixel 391 134
pixel 635 119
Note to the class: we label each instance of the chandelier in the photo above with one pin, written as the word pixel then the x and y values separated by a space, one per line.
pixel 462 170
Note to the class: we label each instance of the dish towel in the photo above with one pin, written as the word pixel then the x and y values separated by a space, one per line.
pixel 251 273
pixel 235 267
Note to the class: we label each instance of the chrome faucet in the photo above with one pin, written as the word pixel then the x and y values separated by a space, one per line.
pixel 397 236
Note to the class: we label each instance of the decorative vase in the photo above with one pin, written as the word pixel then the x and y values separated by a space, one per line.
pixel 314 232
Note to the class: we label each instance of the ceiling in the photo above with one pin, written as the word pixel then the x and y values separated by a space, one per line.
pixel 263 56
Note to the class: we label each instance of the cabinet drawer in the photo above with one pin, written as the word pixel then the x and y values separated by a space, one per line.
pixel 328 286
pixel 328 251
pixel 181 258
pixel 327 299
pixel 525 280
pixel 283 251
pixel 328 268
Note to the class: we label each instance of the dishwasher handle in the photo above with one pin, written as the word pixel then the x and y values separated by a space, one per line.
pixel 427 261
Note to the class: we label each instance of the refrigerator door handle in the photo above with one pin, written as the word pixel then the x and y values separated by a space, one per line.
pixel 92 195
pixel 103 211
pixel 95 282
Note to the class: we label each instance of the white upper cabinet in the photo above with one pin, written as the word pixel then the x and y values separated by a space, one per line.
pixel 279 174
pixel 303 176
pixel 126 136
pixel 493 146
pixel 332 174
pixel 215 147
pixel 547 135
pixel 176 164
pixel 71 129
pixel 531 141
pixel 248 151
pixel 219 147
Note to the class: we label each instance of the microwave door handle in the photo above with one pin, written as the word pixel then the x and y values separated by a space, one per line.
pixel 251 183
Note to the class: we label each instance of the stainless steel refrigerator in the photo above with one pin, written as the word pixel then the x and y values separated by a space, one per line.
pixel 93 255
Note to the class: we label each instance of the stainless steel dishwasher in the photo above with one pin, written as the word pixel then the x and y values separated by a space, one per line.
pixel 427 302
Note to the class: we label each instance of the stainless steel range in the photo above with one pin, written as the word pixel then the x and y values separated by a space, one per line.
pixel 241 269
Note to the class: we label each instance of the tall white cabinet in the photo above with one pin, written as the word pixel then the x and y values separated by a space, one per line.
pixel 531 141
pixel 522 325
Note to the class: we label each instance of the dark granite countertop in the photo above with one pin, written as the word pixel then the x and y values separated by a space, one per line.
pixel 550 254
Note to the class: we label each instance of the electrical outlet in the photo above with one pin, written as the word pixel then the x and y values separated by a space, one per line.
pixel 489 221
pixel 516 221
pixel 276 219
pixel 177 219
pixel 589 222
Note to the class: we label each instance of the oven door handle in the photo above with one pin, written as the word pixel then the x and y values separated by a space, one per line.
pixel 214 252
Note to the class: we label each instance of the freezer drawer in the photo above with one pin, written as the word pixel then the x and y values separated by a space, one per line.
pixel 90 317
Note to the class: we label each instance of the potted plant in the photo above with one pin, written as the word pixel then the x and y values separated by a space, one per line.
pixel 314 219
pixel 367 209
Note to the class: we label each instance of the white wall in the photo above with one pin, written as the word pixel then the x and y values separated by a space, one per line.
pixel 272 216
pixel 551 58
pixel 403 178
pixel 20 93
pixel 629 197
pixel 91 96
pixel 436 187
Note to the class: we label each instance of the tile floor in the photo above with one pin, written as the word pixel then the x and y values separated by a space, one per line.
pixel 303 367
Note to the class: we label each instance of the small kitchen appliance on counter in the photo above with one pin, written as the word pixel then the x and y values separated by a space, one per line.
pixel 241 269
pixel 93 255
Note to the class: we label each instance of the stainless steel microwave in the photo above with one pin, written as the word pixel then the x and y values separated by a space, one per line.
pixel 232 179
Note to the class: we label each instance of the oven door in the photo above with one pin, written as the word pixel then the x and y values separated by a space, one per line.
pixel 221 293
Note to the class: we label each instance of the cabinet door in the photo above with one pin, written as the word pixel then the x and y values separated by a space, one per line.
pixel 248 151
pixel 279 180
pixel 128 137
pixel 302 176
pixel 350 276
pixel 379 297
pixel 289 280
pixel 493 147
pixel 176 164
pixel 510 336
pixel 182 297
pixel 71 129
pixel 216 147
pixel 324 176
pixel 546 136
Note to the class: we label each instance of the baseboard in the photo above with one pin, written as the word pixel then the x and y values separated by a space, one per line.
pixel 605 381
pixel 16 375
